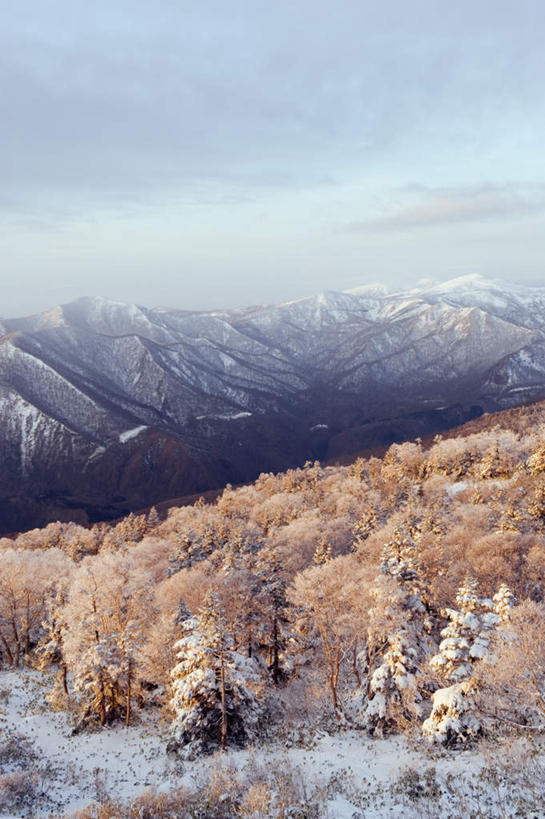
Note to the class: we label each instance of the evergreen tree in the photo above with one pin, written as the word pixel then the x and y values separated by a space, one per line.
pixel 363 528
pixel 275 622
pixel 401 624
pixel 504 600
pixel 323 552
pixel 536 461
pixel 50 649
pixel 466 641
pixel 393 689
pixel 466 638
pixel 452 720
pixel 215 688
pixel 153 519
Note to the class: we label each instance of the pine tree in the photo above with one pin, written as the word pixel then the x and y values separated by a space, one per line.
pixel 153 519
pixel 274 622
pixel 504 600
pixel 181 556
pixel 536 461
pixel 466 639
pixel 452 720
pixel 393 690
pixel 323 552
pixel 393 694
pixel 363 528
pixel 215 688
pixel 495 463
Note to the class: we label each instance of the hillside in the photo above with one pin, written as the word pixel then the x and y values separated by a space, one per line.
pixel 395 600
pixel 108 407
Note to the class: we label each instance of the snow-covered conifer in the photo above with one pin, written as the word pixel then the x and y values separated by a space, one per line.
pixel 536 461
pixel 466 641
pixel 393 688
pixel 215 688
pixel 452 720
pixel 275 625
pixel 399 623
pixel 50 649
pixel 466 638
pixel 504 600
pixel 153 519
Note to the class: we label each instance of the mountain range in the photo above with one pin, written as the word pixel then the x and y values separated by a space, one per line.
pixel 107 407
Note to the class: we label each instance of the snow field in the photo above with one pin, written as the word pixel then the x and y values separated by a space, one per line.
pixel 354 777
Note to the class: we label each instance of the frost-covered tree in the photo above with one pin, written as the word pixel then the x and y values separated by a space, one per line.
pixel 332 600
pixel 275 624
pixel 496 462
pixel 215 689
pixel 27 579
pixel 466 642
pixel 398 641
pixel 363 528
pixel 153 519
pixel 107 617
pixel 50 650
pixel 536 461
pixel 393 686
pixel 323 552
pixel 453 720
pixel 466 638
pixel 504 600
pixel 514 686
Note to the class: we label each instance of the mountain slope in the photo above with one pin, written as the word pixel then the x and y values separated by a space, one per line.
pixel 106 407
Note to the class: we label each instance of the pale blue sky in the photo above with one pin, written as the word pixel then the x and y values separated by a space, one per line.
pixel 219 153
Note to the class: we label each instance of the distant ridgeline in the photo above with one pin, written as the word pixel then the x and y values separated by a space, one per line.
pixel 107 407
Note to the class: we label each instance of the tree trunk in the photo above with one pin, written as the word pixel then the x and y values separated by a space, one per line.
pixel 129 681
pixel 223 702
pixel 17 645
pixel 355 666
pixel 7 649
pixel 275 658
pixel 27 627
pixel 64 675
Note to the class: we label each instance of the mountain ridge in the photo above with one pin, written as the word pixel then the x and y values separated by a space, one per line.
pixel 219 396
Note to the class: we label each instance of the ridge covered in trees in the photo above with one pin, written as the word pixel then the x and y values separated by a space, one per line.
pixel 394 594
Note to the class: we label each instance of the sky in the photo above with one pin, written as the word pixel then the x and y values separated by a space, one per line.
pixel 212 154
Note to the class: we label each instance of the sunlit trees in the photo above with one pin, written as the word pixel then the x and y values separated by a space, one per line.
pixel 333 599
pixel 329 580
pixel 27 580
pixel 453 720
pixel 514 686
pixel 107 616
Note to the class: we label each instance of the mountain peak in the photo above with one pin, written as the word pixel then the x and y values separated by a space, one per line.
pixel 220 397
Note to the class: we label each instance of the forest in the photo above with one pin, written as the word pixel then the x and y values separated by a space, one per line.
pixel 400 595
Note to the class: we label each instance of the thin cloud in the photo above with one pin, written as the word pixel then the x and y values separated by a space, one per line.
pixel 447 206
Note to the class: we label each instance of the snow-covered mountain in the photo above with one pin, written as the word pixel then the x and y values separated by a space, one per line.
pixel 107 406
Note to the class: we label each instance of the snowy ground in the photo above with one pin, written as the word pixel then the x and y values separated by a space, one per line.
pixel 358 777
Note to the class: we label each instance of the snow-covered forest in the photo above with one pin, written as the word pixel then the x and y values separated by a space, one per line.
pixel 393 600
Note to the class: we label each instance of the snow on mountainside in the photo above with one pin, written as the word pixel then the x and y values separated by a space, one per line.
pixel 220 396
